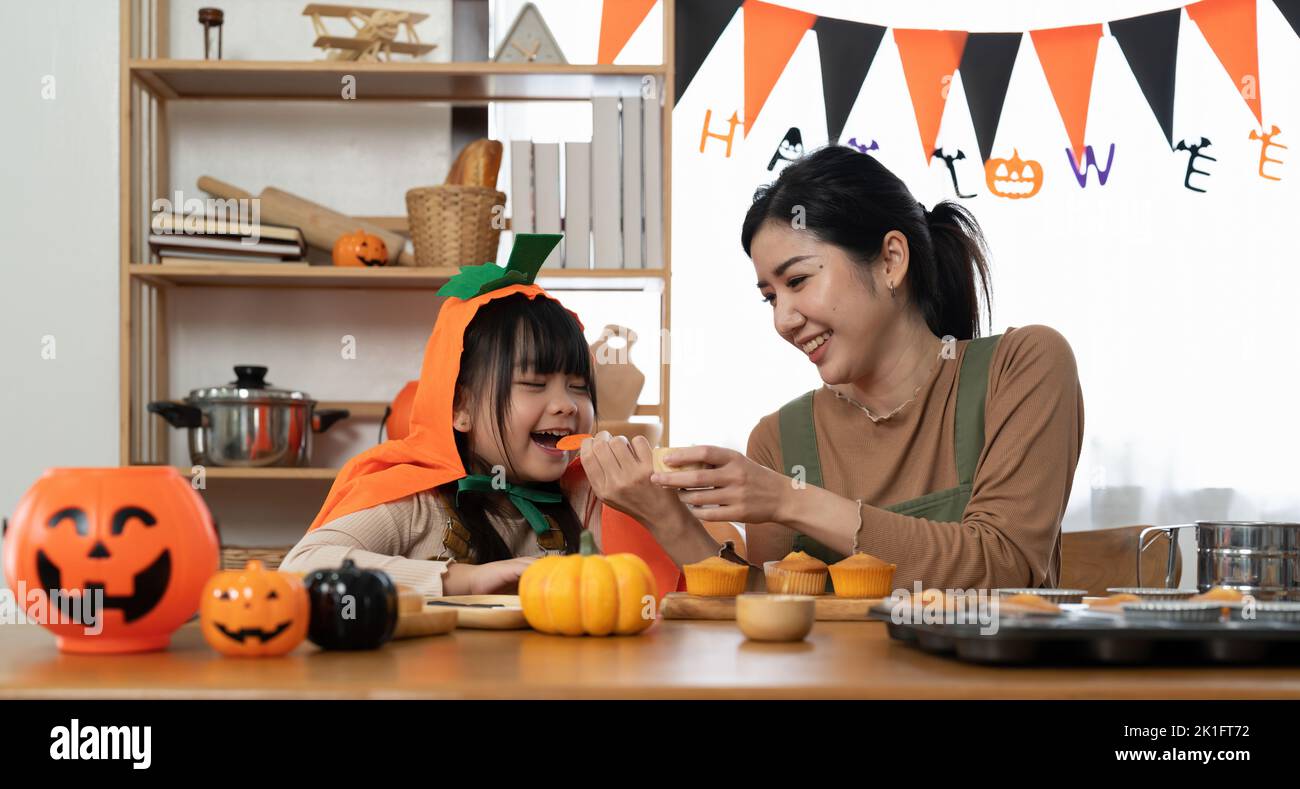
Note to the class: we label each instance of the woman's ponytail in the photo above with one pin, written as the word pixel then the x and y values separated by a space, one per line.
pixel 960 258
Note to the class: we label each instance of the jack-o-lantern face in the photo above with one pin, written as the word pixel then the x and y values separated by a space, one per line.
pixel 254 612
pixel 1015 178
pixel 360 249
pixel 133 545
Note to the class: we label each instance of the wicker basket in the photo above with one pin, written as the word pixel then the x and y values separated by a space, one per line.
pixel 234 557
pixel 455 225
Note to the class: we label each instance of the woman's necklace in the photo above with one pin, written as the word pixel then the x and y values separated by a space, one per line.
pixel 915 392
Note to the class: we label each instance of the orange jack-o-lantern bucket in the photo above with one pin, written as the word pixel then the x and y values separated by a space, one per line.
pixel 254 612
pixel 398 421
pixel 127 551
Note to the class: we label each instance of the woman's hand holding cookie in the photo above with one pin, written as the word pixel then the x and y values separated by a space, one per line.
pixel 737 488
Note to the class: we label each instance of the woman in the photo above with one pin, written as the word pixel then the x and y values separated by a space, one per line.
pixel 948 456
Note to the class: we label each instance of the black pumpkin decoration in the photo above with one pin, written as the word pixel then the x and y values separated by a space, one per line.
pixel 351 607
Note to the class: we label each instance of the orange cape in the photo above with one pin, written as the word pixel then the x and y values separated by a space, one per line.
pixel 426 457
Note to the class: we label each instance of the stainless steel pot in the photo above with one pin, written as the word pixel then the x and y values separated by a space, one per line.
pixel 248 422
pixel 1260 558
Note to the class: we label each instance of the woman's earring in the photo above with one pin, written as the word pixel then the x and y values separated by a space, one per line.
pixel 891 290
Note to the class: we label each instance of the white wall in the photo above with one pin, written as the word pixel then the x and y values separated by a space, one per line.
pixel 58 219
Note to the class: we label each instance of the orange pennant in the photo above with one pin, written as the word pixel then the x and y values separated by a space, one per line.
pixel 771 35
pixel 929 59
pixel 1229 28
pixel 619 19
pixel 1068 56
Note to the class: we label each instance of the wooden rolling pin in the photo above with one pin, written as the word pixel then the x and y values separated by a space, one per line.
pixel 319 225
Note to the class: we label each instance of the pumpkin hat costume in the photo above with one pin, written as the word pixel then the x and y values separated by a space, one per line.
pixel 427 457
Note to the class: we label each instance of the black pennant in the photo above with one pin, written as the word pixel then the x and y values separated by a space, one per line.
pixel 696 28
pixel 847 49
pixel 1291 10
pixel 1150 45
pixel 985 68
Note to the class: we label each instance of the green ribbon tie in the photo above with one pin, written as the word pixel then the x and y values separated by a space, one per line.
pixel 522 497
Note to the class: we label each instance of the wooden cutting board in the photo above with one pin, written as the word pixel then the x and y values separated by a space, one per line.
pixel 680 605
pixel 482 611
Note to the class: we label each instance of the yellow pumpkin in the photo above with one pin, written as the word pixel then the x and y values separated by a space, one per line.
pixel 1015 178
pixel 254 612
pixel 588 594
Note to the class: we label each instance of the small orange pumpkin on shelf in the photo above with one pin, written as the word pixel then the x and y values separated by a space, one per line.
pixel 254 612
pixel 360 249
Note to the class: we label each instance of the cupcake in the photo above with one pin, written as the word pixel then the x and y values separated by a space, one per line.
pixel 797 573
pixel 715 577
pixel 862 575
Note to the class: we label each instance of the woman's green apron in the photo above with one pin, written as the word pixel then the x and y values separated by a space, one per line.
pixel 799 446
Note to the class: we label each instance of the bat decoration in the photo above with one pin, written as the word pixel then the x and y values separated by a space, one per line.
pixel 705 134
pixel 853 143
pixel 789 149
pixel 1264 158
pixel 1090 162
pixel 1195 151
pixel 952 170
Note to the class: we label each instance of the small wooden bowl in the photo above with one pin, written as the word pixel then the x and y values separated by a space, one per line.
pixel 775 617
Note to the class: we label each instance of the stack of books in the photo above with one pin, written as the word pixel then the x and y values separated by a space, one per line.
pixel 177 238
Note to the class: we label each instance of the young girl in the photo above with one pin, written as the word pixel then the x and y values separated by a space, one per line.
pixel 477 490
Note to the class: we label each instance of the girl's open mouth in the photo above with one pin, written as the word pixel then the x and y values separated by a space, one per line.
pixel 546 440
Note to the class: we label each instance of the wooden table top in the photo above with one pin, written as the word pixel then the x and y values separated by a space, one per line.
pixel 674 659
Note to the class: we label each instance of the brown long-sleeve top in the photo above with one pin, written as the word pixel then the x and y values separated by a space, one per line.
pixel 1009 534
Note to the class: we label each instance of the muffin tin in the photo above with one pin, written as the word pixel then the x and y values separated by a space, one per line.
pixel 1153 593
pixel 1057 596
pixel 1079 636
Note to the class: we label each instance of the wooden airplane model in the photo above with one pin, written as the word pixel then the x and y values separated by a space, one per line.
pixel 376 32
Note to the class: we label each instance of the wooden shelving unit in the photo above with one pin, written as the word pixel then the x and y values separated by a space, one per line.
pixel 150 79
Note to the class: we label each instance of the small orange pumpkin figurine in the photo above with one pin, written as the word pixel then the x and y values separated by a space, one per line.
pixel 254 612
pixel 1015 178
pixel 360 249
pixel 127 551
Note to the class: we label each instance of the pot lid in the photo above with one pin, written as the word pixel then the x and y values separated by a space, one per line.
pixel 250 384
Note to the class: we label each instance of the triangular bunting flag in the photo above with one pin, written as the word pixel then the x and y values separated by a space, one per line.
pixel 771 35
pixel 696 28
pixel 1068 56
pixel 929 59
pixel 846 49
pixel 985 69
pixel 619 19
pixel 1291 10
pixel 1150 45
pixel 1229 28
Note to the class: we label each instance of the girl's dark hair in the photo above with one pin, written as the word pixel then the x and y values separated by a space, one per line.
pixel 538 336
pixel 851 200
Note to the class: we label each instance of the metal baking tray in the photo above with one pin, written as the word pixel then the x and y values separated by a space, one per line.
pixel 1082 637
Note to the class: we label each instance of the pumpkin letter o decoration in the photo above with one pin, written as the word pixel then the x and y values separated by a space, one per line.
pixel 131 549
pixel 360 249
pixel 1015 178
pixel 587 594
pixel 254 612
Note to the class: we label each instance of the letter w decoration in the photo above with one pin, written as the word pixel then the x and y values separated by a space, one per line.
pixel 1090 162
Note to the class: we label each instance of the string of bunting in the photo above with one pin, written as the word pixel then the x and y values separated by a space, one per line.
pixel 1067 55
